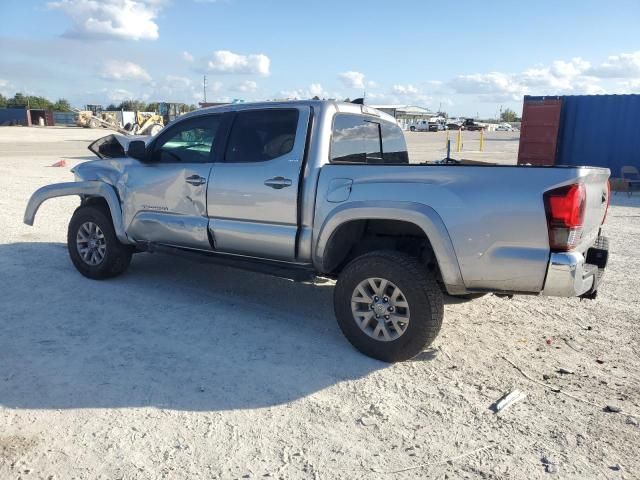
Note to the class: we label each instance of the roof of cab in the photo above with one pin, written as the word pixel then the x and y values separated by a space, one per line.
pixel 344 107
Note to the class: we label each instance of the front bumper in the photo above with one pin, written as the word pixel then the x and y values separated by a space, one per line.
pixel 570 275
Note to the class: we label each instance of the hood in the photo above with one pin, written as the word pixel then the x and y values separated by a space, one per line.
pixel 115 145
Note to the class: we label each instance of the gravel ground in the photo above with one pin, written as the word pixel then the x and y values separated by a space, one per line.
pixel 178 370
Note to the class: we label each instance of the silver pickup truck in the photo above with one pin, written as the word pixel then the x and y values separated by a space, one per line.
pixel 325 189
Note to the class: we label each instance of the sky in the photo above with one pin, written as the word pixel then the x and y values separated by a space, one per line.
pixel 468 58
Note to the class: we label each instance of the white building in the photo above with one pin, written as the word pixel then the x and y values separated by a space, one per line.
pixel 406 114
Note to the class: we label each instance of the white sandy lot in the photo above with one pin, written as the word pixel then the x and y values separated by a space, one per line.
pixel 499 147
pixel 179 370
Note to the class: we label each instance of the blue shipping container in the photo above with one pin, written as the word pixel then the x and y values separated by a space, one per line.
pixel 12 116
pixel 599 130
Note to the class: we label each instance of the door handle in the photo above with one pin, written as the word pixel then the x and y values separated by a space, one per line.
pixel 196 180
pixel 278 182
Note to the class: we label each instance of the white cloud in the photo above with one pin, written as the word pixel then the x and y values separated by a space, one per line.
pixel 559 78
pixel 486 83
pixel 298 94
pixel 120 19
pixel 352 79
pixel 214 86
pixel 400 95
pixel 246 86
pixel 404 89
pixel 187 56
pixel 5 86
pixel 224 61
pixel 576 66
pixel 115 70
pixel 372 84
pixel 175 81
pixel 176 88
pixel 118 95
pixel 624 65
pixel 314 90
pixel 630 86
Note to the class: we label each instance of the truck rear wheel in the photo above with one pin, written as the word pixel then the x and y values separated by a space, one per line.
pixel 388 305
pixel 93 246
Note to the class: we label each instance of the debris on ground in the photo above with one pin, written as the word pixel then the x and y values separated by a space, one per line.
pixel 550 464
pixel 508 400
pixel 612 409
pixel 565 371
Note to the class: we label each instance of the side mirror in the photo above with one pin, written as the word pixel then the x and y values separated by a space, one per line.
pixel 138 150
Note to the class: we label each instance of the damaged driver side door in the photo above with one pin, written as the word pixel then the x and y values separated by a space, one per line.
pixel 166 194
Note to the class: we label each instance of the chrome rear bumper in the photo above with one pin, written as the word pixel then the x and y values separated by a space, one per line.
pixel 569 275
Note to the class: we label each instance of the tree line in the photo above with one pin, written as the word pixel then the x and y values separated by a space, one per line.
pixel 31 101
pixel 138 105
pixel 62 105
pixel 20 100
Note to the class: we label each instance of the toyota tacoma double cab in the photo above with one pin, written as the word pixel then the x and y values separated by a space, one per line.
pixel 311 189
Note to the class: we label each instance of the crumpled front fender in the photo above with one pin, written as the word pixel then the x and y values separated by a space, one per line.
pixel 88 188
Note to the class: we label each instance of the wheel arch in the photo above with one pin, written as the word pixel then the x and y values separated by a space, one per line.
pixel 344 227
pixel 86 190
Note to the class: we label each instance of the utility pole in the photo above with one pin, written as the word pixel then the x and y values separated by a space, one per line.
pixel 204 88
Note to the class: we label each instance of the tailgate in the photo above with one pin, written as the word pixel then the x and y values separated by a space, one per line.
pixel 596 182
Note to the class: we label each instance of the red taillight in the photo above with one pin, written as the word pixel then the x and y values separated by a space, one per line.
pixel 564 207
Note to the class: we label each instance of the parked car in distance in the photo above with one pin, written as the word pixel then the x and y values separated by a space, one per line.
pixel 505 127
pixel 423 126
pixel 473 126
pixel 313 189
pixel 433 124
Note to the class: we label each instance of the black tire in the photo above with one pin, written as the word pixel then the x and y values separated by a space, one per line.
pixel 117 256
pixel 418 287
pixel 413 129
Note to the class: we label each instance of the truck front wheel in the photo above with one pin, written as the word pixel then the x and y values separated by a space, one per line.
pixel 388 305
pixel 93 247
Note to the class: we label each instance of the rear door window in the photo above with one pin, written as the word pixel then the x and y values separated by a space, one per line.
pixel 361 139
pixel 261 135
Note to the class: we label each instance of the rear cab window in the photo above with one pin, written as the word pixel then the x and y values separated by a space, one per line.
pixel 368 140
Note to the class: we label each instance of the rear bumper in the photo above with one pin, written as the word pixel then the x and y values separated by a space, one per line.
pixel 569 274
